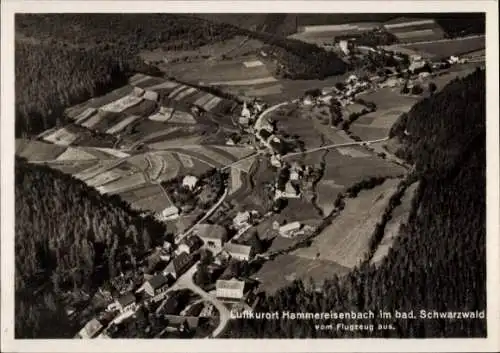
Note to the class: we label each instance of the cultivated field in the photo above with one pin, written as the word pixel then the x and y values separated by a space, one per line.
pixel 446 48
pixel 122 184
pixel 399 216
pixel 346 240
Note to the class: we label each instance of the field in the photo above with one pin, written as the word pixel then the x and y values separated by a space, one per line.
pixel 62 137
pixel 346 240
pixel 122 184
pixel 37 150
pixel 327 191
pixel 120 126
pixel 446 48
pixel 285 269
pixel 75 154
pixel 390 105
pixel 399 216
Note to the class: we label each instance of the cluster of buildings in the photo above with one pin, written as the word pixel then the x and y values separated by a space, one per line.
pixel 288 184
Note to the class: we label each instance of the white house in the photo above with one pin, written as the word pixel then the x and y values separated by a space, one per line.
pixel 190 181
pixel 344 46
pixel 245 112
pixel 171 212
pixel 239 252
pixel 241 219
pixel 231 289
pixel 91 329
pixel 289 229
pixel 276 161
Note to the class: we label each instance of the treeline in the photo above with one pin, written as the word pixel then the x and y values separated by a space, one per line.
pixel 438 261
pixel 67 237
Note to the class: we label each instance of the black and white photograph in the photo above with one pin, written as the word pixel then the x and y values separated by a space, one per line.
pixel 240 175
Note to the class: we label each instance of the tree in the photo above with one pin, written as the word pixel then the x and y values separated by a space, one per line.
pixel 417 89
pixel 432 87
pixel 255 242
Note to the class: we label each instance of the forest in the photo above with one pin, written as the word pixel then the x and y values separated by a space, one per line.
pixel 68 237
pixel 438 262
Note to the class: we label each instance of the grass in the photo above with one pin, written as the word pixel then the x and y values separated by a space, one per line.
pixel 284 269
pixel 450 47
pixel 39 151
pixel 399 216
pixel 346 240
pixel 123 184
pixel 156 203
pixel 345 170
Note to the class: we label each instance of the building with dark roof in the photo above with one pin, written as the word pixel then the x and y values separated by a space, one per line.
pixel 190 244
pixel 180 264
pixel 126 302
pixel 156 285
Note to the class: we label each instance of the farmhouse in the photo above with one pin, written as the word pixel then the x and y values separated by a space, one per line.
pixel 126 303
pixel 151 95
pixel 231 289
pixel 182 323
pixel 156 285
pixel 189 182
pixel 276 161
pixel 289 230
pixel 290 192
pixel 245 112
pixel 240 252
pixel 90 330
pixel 190 244
pixel 344 46
pixel 180 264
pixel 213 235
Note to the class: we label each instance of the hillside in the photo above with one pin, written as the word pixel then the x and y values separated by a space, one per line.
pixel 68 237
pixel 63 59
pixel 442 247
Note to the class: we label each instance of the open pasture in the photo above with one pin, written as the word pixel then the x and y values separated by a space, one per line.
pixel 284 269
pixel 155 203
pixel 346 240
pixel 327 191
pixel 164 166
pixel 75 154
pixel 63 137
pixel 448 47
pixel 72 167
pixel 38 150
pixel 122 184
pixel 345 170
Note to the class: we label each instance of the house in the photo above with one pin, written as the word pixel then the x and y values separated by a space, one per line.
pixel 241 219
pixel 290 192
pixel 240 252
pixel 245 112
pixel 289 229
pixel 230 289
pixel 179 265
pixel 190 244
pixel 344 46
pixel 352 79
pixel 91 329
pixel 156 285
pixel 167 246
pixel 190 182
pixel 126 302
pixel 212 235
pixel 171 212
pixel 294 174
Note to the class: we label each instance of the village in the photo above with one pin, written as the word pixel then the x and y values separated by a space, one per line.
pixel 188 285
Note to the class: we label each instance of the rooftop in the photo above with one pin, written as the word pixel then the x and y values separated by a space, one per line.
pixel 126 299
pixel 230 284
pixel 90 329
pixel 233 248
pixel 158 281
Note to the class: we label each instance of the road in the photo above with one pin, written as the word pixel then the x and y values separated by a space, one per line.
pixel 186 282
pixel 357 143
pixel 181 236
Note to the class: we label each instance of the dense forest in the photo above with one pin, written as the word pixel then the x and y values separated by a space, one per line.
pixel 68 237
pixel 438 262
pixel 63 59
